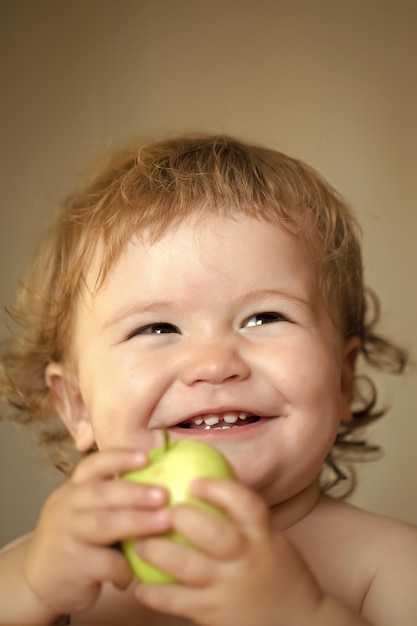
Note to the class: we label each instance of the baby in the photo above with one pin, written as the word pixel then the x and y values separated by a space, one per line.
pixel 214 290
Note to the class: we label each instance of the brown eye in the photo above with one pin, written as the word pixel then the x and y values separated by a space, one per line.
pixel 259 319
pixel 155 329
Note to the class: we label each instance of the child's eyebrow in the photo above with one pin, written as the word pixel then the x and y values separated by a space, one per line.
pixel 136 308
pixel 264 294
pixel 162 307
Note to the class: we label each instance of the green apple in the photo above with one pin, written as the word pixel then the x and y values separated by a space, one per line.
pixel 174 466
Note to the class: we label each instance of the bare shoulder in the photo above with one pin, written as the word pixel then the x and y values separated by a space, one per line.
pixel 384 538
pixel 366 560
pixel 391 598
pixel 15 543
pixel 362 520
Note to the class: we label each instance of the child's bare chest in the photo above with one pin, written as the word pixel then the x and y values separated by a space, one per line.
pixel 139 618
pixel 136 618
pixel 114 607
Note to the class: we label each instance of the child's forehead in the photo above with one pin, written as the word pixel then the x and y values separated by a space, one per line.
pixel 240 247
pixel 200 228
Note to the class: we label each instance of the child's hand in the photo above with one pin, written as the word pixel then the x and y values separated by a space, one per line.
pixel 70 553
pixel 242 572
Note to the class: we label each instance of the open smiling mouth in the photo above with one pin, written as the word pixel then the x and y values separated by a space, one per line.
pixel 224 421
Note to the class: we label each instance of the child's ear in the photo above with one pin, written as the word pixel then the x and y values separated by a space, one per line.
pixel 69 404
pixel 351 351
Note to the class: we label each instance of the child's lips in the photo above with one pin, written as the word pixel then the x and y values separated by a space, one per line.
pixel 227 417
pixel 219 421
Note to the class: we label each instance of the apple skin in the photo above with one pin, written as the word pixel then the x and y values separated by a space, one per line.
pixel 174 466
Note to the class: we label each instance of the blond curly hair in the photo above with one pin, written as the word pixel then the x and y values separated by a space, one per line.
pixel 154 187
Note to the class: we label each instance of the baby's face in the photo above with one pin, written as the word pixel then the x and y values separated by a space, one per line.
pixel 216 332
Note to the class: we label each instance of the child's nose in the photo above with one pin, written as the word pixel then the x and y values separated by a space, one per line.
pixel 215 363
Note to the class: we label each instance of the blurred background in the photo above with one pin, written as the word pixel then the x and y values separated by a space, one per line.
pixel 327 81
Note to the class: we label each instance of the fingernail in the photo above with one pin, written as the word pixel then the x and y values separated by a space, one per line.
pixel 139 458
pixel 157 494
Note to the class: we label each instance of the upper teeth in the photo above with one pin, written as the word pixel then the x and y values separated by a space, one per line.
pixel 212 420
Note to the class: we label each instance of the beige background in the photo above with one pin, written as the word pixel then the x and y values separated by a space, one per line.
pixel 329 81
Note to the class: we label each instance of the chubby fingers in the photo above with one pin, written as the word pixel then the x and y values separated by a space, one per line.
pixel 120 493
pixel 104 527
pixel 101 509
pixel 214 539
pixel 108 464
pixel 185 564
pixel 220 537
pixel 217 537
pixel 242 506
pixel 211 539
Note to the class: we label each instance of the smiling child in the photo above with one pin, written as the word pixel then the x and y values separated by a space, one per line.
pixel 214 290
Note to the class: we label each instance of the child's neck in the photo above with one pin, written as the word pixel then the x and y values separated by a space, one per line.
pixel 288 513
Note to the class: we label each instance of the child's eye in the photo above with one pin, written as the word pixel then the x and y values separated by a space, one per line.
pixel 161 328
pixel 259 319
